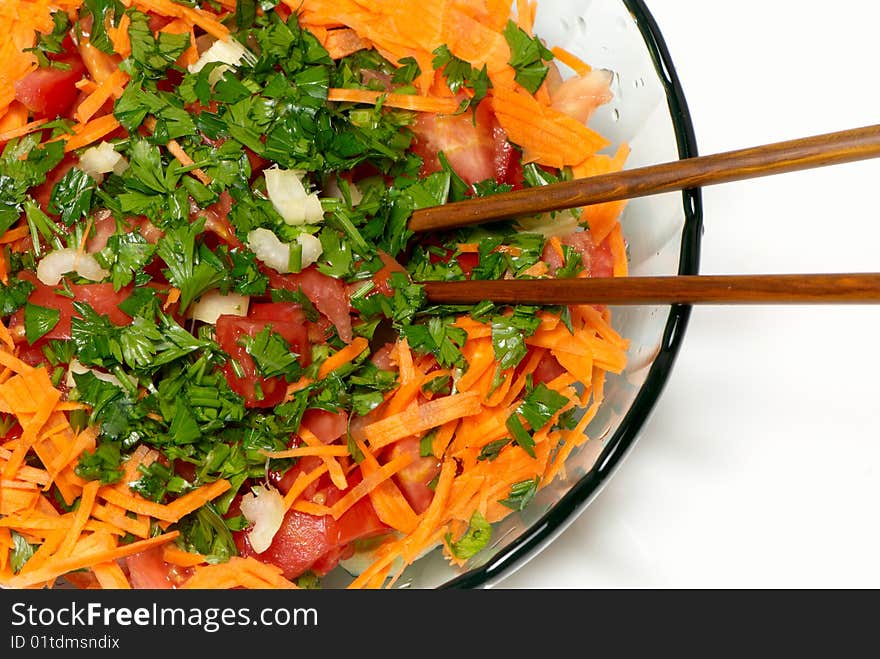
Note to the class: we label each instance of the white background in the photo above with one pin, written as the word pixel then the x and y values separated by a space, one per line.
pixel 759 466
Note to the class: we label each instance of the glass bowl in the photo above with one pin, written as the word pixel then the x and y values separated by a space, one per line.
pixel 663 235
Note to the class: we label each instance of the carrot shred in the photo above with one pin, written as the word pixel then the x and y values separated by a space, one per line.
pixel 301 483
pixel 55 568
pixel 173 554
pixel 571 60
pixel 369 483
pixel 348 354
pixel 111 86
pixel 15 234
pixel 420 418
pixel 337 475
pixel 85 134
pixel 21 131
pixel 303 451
pixel 431 104
pixel 110 576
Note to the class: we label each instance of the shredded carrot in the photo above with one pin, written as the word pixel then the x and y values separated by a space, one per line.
pixel 348 354
pixel 571 60
pixel 303 451
pixel 342 43
pixel 171 553
pixel 85 134
pixel 301 483
pixel 16 234
pixel 110 576
pixel 337 475
pixel 55 568
pixel 369 483
pixel 433 105
pixel 420 418
pixel 109 87
pixel 21 131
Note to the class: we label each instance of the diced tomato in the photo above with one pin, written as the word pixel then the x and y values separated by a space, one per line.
pixel 414 479
pixel 308 542
pixel 597 259
pixel 330 296
pixel 382 279
pixel 326 426
pixel 257 390
pixel 468 144
pixel 100 297
pixel 50 91
pixel 147 570
pixel 298 545
pixel 217 220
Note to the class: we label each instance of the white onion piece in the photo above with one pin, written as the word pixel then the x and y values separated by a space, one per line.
pixel 214 304
pixel 311 248
pixel 58 263
pixel 75 367
pixel 102 159
pixel 276 254
pixel 229 53
pixel 264 507
pixel 289 197
pixel 268 249
pixel 549 225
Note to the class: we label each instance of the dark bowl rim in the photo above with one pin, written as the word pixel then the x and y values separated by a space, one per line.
pixel 539 534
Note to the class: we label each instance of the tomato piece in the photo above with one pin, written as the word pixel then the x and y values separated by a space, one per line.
pixel 382 279
pixel 100 297
pixel 330 296
pixel 298 545
pixel 148 570
pixel 51 91
pixel 413 480
pixel 326 426
pixel 597 259
pixel 476 147
pixel 255 389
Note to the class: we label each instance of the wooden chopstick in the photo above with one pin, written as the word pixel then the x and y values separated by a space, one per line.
pixel 781 157
pixel 698 289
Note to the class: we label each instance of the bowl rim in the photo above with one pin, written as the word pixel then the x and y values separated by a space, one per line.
pixel 552 523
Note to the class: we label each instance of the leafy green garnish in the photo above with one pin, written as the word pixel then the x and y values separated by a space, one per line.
pixel 528 57
pixel 476 539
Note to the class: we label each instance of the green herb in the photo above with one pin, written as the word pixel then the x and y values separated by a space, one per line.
pixel 103 464
pixel 51 43
pixel 521 494
pixel 527 58
pixel 104 12
pixel 14 295
pixel 39 321
pixel 476 539
pixel 20 553
pixel 461 74
pixel 125 256
pixel 272 355
pixel 153 55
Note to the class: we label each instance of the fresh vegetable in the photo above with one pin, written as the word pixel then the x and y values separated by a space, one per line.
pixel 218 368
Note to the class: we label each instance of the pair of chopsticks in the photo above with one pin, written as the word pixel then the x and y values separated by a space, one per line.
pixel 778 158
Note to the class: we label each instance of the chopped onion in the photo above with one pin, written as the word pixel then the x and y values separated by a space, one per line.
pixel 276 254
pixel 549 225
pixel 289 197
pixel 76 368
pixel 264 507
pixel 58 263
pixel 268 249
pixel 102 159
pixel 311 248
pixel 214 304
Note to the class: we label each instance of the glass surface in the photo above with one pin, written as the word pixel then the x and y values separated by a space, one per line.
pixel 663 233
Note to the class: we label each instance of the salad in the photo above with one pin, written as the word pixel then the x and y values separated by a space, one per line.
pixel 218 368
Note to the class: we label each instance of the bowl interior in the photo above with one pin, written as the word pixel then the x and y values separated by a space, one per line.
pixel 662 232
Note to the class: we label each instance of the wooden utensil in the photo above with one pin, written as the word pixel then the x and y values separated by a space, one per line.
pixel 781 157
pixel 699 289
